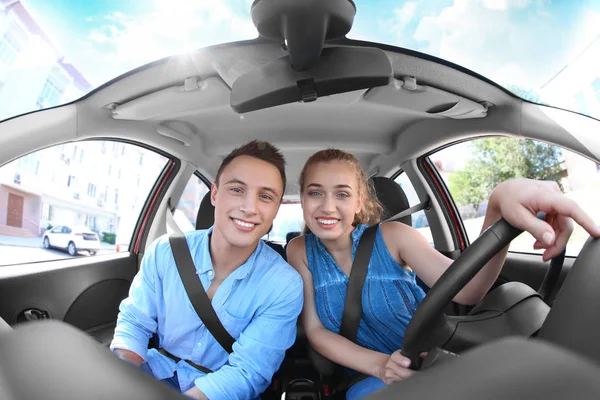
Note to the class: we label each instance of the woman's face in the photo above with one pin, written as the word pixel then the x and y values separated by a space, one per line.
pixel 330 199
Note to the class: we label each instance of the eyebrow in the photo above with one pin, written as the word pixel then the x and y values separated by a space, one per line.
pixel 239 182
pixel 336 186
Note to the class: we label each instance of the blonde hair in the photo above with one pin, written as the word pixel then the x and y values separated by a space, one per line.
pixel 371 211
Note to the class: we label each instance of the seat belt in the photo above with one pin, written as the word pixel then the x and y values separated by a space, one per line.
pixel 196 292
pixel 353 304
pixel 356 281
pixel 421 206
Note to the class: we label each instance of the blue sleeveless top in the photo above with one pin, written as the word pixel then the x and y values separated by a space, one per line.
pixel 390 294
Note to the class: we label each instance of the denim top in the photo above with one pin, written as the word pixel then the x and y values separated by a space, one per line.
pixel 390 294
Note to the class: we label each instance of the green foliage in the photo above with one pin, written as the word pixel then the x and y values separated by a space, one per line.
pixel 529 95
pixel 109 238
pixel 499 159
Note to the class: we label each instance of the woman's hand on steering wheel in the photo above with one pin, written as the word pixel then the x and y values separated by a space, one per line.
pixel 395 368
pixel 519 200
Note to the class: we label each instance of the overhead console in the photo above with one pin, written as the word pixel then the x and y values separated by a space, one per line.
pixel 406 93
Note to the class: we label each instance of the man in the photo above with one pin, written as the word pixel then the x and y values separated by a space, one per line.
pixel 255 293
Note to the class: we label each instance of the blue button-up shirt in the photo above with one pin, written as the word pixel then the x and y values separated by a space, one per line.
pixel 258 304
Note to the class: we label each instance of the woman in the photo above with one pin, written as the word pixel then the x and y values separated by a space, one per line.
pixel 338 204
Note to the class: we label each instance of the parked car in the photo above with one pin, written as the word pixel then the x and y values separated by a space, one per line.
pixel 72 239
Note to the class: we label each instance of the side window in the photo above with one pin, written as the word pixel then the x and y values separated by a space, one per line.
pixel 472 169
pixel 186 211
pixel 419 219
pixel 50 213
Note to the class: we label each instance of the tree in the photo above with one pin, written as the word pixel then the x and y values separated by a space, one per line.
pixel 526 94
pixel 498 159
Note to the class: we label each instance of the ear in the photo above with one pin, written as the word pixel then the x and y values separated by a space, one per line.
pixel 213 193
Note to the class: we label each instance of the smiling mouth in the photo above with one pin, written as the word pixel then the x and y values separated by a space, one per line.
pixel 327 221
pixel 243 224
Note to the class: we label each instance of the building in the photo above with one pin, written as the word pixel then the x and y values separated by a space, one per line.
pixel 92 183
pixel 48 78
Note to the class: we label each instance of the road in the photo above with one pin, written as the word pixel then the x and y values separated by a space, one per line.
pixel 10 255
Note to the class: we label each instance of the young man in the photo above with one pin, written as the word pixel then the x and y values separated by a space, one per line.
pixel 256 295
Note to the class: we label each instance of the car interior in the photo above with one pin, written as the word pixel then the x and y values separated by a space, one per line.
pixel 305 88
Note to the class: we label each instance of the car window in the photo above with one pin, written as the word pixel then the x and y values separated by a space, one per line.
pixel 472 169
pixel 288 219
pixel 419 219
pixel 186 212
pixel 70 189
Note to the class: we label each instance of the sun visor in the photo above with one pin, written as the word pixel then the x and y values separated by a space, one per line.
pixel 407 94
pixel 339 70
pixel 195 94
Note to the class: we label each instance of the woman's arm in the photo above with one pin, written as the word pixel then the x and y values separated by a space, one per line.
pixel 517 201
pixel 334 346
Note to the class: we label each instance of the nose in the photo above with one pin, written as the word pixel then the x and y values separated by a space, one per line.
pixel 328 204
pixel 249 204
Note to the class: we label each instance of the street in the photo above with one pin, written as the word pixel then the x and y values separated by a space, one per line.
pixel 25 254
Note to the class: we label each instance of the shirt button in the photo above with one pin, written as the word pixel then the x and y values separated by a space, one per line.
pixel 199 344
pixel 210 273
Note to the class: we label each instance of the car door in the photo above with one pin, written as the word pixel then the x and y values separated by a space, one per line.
pixel 85 291
pixel 467 172
pixel 54 236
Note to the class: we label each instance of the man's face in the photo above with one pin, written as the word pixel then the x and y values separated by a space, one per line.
pixel 246 199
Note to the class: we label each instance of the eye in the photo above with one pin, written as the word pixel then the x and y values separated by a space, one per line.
pixel 314 193
pixel 266 197
pixel 236 190
pixel 343 195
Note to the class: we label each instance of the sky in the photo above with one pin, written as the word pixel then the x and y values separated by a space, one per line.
pixel 512 42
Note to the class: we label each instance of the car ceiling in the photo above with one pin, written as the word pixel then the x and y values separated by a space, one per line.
pixel 383 126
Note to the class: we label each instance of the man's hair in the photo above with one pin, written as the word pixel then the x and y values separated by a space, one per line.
pixel 263 151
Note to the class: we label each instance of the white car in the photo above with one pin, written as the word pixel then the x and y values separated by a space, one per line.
pixel 73 239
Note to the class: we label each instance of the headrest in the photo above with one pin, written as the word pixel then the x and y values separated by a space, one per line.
pixel 392 198
pixel 291 235
pixel 206 213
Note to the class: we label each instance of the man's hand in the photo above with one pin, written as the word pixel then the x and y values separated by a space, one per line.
pixel 129 356
pixel 519 200
pixel 195 393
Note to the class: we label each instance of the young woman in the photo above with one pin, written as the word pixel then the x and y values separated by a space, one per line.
pixel 338 205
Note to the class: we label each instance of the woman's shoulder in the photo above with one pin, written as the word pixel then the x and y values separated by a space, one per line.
pixel 296 251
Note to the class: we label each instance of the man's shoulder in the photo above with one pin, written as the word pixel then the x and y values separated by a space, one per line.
pixel 276 268
pixel 161 247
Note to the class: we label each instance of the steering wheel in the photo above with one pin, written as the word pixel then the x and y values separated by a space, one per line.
pixel 429 316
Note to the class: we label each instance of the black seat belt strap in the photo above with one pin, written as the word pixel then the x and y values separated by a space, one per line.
pixel 353 304
pixel 196 292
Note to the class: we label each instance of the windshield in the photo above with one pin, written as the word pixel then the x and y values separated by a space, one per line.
pixel 53 52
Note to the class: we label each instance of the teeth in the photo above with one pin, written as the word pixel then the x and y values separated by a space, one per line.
pixel 327 221
pixel 244 224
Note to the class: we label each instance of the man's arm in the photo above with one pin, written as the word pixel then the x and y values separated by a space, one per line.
pixel 259 350
pixel 137 317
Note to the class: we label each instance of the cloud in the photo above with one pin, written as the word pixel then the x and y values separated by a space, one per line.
pixel 121 41
pixel 405 14
pixel 505 4
pixel 508 41
pixel 397 25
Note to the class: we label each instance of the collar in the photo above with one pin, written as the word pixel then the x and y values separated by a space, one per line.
pixel 205 265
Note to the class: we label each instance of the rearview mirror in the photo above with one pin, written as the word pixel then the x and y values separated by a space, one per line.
pixel 339 70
